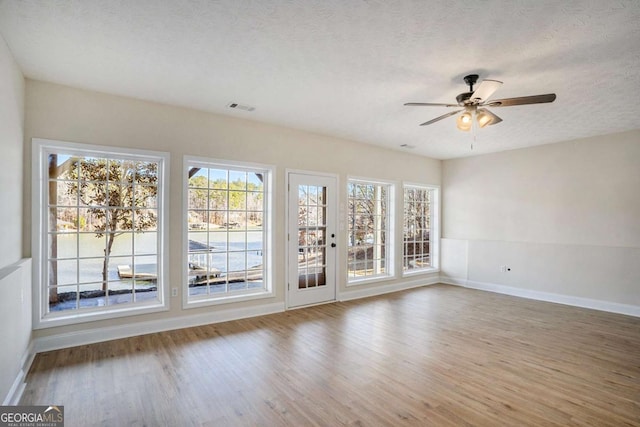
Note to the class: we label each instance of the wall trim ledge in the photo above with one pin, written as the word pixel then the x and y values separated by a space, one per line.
pixel 612 307
pixel 72 339
pixel 385 289
pixel 17 388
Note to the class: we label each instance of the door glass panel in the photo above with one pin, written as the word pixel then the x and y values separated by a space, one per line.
pixel 311 236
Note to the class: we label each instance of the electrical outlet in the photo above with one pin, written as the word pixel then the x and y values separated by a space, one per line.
pixel 174 292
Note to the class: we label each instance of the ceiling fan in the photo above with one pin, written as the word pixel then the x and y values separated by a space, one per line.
pixel 474 103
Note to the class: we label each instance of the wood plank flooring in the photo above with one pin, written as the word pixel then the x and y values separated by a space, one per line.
pixel 432 356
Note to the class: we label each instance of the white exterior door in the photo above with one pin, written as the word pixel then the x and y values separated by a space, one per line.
pixel 311 270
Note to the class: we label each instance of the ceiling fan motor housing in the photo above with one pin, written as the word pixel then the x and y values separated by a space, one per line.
pixel 463 98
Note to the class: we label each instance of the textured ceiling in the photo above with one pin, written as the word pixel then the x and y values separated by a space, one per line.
pixel 345 67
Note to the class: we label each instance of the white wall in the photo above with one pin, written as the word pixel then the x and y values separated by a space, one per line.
pixel 15 307
pixel 63 113
pixel 564 217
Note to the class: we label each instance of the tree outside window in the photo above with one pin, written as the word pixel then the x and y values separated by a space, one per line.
pixel 369 239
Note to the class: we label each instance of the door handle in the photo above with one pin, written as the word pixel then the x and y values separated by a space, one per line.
pixel 333 245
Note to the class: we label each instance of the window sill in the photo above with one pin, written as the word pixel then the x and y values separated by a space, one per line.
pixel 417 272
pixel 63 319
pixel 365 281
pixel 227 299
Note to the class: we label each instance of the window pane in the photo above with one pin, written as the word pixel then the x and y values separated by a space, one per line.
pixel 146 172
pixel 218 199
pixel 238 180
pixel 62 166
pixel 92 244
pixel 91 295
pixel 254 201
pixel 218 179
pixel 122 243
pixel 63 272
pixel 101 208
pixel 198 178
pixel 145 219
pixel 417 220
pixel 368 224
pixel 63 220
pixel 92 219
pixel 237 200
pixel 254 181
pixel 63 298
pixel 229 256
pixel 254 220
pixel 145 243
pixel 218 219
pixel 146 196
pixel 66 245
pixel 120 293
pixel 91 269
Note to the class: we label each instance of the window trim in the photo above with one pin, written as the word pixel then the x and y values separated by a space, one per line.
pixel 434 230
pixel 391 232
pixel 39 229
pixel 267 222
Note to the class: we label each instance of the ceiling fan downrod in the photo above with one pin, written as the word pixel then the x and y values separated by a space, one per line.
pixel 471 79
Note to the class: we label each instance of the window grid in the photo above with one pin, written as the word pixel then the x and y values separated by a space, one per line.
pixel 417 229
pixel 94 201
pixel 368 230
pixel 311 231
pixel 226 235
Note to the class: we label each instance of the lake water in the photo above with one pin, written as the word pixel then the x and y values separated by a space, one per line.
pixel 244 252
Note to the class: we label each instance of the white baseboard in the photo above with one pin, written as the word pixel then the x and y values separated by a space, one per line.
pixel 72 339
pixel 17 388
pixel 385 289
pixel 613 307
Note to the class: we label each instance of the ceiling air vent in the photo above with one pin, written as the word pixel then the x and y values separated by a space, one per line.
pixel 237 106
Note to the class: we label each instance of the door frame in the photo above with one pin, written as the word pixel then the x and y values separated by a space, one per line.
pixel 331 199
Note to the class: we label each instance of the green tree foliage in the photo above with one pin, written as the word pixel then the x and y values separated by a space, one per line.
pixel 220 195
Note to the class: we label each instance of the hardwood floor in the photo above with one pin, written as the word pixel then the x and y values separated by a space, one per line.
pixel 438 355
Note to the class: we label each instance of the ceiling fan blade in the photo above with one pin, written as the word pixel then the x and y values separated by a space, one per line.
pixel 444 116
pixel 485 90
pixel 523 100
pixel 428 104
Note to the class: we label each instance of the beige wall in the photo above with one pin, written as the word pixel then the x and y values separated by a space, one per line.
pixel 564 217
pixel 11 160
pixel 15 307
pixel 63 113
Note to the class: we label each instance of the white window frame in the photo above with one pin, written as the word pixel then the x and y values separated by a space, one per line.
pixel 434 230
pixel 42 318
pixel 390 232
pixel 267 257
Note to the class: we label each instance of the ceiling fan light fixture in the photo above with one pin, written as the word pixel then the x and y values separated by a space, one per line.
pixel 464 121
pixel 484 119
